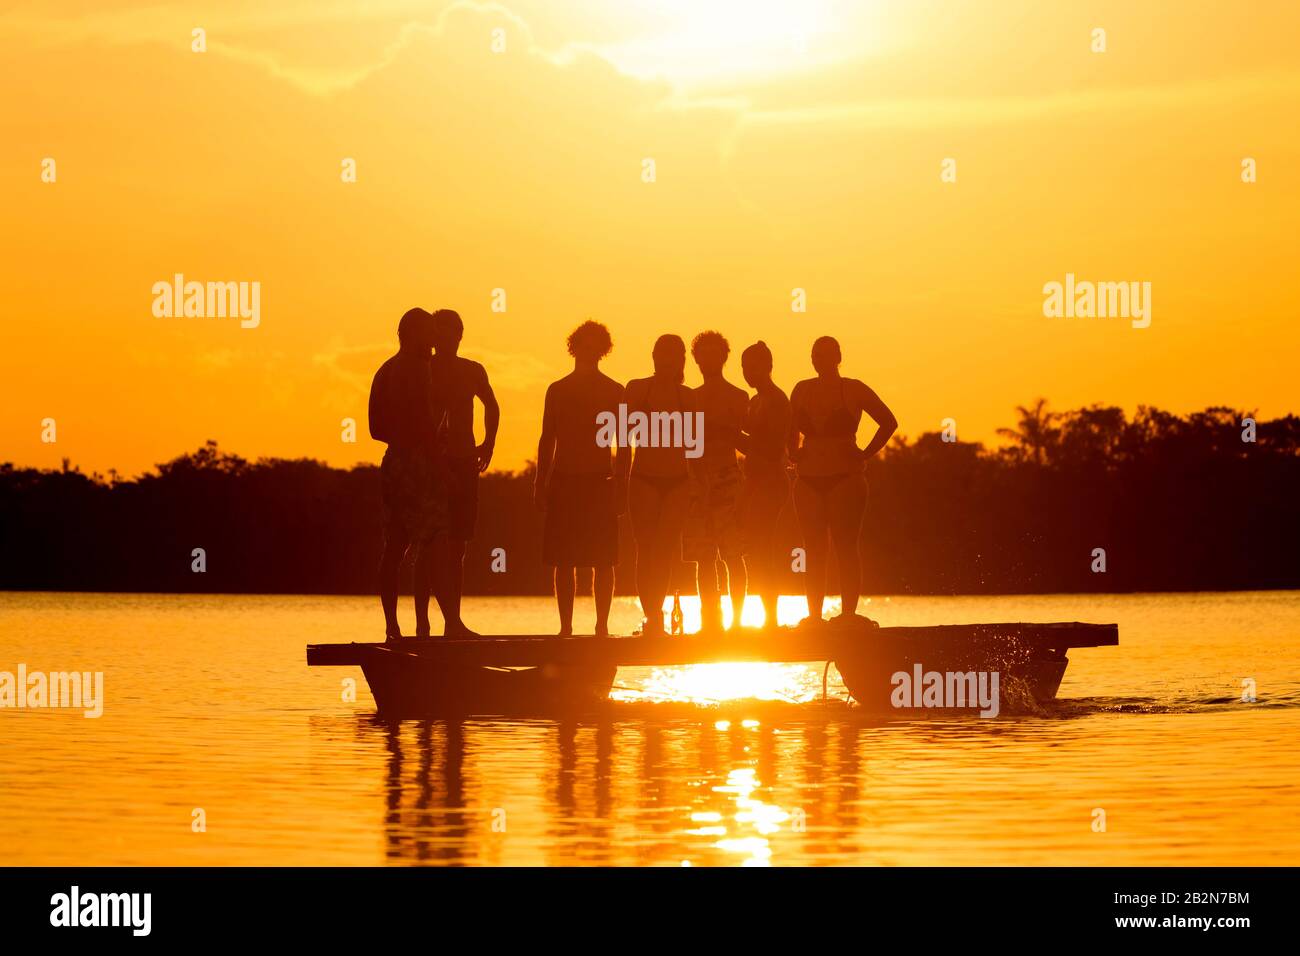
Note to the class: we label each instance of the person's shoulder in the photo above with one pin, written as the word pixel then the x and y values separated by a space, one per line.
pixel 480 378
pixel 610 385
pixel 861 388
pixel 385 368
pixel 801 386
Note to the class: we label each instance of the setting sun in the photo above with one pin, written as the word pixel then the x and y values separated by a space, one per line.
pixel 691 42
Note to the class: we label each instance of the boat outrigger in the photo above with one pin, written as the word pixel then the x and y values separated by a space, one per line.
pixel 511 674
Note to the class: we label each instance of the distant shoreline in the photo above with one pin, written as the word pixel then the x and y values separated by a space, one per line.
pixel 1082 502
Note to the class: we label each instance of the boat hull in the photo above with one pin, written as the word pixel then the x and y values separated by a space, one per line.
pixel 525 674
pixel 408 685
pixel 1025 675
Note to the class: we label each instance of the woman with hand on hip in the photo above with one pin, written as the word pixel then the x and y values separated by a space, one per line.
pixel 830 490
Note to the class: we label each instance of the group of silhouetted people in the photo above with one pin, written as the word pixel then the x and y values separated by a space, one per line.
pixel 696 500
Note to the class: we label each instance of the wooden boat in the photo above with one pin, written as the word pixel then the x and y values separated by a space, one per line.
pixel 406 681
pixel 514 674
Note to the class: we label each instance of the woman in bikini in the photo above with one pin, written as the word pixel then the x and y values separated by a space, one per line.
pixel 658 494
pixel 830 490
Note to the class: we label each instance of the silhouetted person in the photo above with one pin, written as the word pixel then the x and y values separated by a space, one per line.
pixel 575 485
pixel 462 381
pixel 830 492
pixel 406 413
pixel 714 529
pixel 658 493
pixel 767 483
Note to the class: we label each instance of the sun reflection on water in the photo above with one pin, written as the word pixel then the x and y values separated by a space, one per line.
pixel 707 684
pixel 752 814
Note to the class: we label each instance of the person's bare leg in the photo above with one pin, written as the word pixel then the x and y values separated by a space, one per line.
pixel 566 587
pixel 763 562
pixel 602 589
pixel 706 580
pixel 643 509
pixel 660 582
pixel 772 587
pixel 449 574
pixel 762 572
pixel 390 564
pixel 847 505
pixel 812 525
pixel 815 585
pixel 421 579
pixel 441 550
pixel 672 520
pixel 737 586
pixel 651 592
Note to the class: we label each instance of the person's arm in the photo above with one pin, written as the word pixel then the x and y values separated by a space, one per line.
pixel 886 423
pixel 734 428
pixel 491 419
pixel 771 431
pixel 691 405
pixel 545 451
pixel 792 432
pixel 376 410
pixel 435 396
pixel 622 458
pixel 631 396
pixel 781 426
pixel 745 440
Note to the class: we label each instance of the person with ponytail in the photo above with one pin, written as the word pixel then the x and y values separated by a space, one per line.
pixel 767 484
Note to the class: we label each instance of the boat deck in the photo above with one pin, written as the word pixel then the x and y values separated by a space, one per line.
pixel 773 645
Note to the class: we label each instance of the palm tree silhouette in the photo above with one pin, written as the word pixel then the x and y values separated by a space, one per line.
pixel 1035 434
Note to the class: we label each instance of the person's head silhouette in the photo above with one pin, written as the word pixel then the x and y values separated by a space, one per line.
pixel 448 330
pixel 756 364
pixel 710 351
pixel 826 355
pixel 415 330
pixel 669 355
pixel 590 342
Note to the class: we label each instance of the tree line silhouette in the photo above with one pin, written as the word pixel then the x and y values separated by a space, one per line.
pixel 1176 503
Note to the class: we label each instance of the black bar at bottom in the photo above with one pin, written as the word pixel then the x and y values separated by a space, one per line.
pixel 384 906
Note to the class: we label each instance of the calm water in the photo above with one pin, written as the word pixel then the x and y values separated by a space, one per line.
pixel 209 705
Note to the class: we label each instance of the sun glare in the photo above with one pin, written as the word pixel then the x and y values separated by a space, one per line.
pixel 690 40
pixel 713 683
pixel 790 610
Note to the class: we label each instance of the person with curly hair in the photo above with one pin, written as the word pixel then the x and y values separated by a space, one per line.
pixel 576 485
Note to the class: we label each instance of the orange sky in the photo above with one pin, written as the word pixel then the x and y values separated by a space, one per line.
pixel 797 144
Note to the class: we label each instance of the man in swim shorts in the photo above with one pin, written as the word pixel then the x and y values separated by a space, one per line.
pixel 576 485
